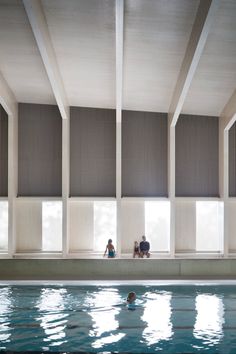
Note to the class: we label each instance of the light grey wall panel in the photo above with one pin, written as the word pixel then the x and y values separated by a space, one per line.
pixel 3 153
pixel 92 152
pixel 197 156
pixel 40 150
pixel 144 154
pixel 232 161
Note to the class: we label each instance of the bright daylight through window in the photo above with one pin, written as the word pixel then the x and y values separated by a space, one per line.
pixel 3 226
pixel 157 225
pixel 104 224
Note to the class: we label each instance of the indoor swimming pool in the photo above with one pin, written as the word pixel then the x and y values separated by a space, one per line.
pixel 69 318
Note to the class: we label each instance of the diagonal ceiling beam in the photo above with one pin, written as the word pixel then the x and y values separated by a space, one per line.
pixel 39 26
pixel 228 114
pixel 7 98
pixel 197 40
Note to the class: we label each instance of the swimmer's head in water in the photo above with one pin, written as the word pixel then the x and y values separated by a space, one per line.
pixel 131 297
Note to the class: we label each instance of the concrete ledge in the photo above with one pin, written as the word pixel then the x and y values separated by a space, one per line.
pixel 116 269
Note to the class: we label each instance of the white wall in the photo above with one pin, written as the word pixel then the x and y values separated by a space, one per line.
pixel 232 225
pixel 185 226
pixel 28 225
pixel 81 226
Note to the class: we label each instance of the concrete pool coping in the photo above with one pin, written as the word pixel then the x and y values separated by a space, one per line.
pixel 117 269
pixel 184 282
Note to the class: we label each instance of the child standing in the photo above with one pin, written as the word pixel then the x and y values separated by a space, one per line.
pixel 110 248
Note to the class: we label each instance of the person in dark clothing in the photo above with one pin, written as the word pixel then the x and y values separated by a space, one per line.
pixel 144 247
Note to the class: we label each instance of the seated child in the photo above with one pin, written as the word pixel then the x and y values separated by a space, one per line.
pixel 110 248
pixel 136 249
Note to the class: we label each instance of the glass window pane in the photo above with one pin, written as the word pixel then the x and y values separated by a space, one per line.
pixel 104 224
pixel 157 225
pixel 209 226
pixel 3 226
pixel 52 226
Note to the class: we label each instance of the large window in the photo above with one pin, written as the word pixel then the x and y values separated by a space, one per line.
pixel 52 226
pixel 3 226
pixel 157 225
pixel 209 226
pixel 104 224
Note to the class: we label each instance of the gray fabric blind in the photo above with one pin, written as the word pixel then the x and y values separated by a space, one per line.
pixel 40 150
pixel 3 153
pixel 196 168
pixel 144 154
pixel 232 161
pixel 92 152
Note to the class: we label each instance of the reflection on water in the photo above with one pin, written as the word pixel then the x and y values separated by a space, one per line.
pixel 53 320
pixel 210 319
pixel 92 319
pixel 5 310
pixel 157 315
pixel 103 311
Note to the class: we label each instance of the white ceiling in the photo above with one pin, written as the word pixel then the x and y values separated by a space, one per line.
pixel 156 34
pixel 20 61
pixel 83 37
pixel 215 78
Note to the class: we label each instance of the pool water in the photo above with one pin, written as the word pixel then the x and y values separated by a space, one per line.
pixel 170 319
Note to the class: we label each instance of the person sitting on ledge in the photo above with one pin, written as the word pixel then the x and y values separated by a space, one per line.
pixel 144 247
pixel 110 248
pixel 136 249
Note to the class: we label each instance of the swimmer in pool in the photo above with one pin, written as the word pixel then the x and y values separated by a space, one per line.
pixel 131 300
pixel 131 297
pixel 110 248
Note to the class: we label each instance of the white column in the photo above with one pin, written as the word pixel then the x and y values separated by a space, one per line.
pixel 12 178
pixel 226 120
pixel 118 186
pixel 65 184
pixel 171 183
pixel 119 84
pixel 224 178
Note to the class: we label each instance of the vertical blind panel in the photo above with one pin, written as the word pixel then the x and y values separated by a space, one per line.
pixel 232 161
pixel 40 150
pixel 92 152
pixel 196 171
pixel 144 154
pixel 3 153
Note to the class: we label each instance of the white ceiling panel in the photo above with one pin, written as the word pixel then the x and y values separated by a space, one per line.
pixel 156 37
pixel 83 36
pixel 20 60
pixel 215 78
